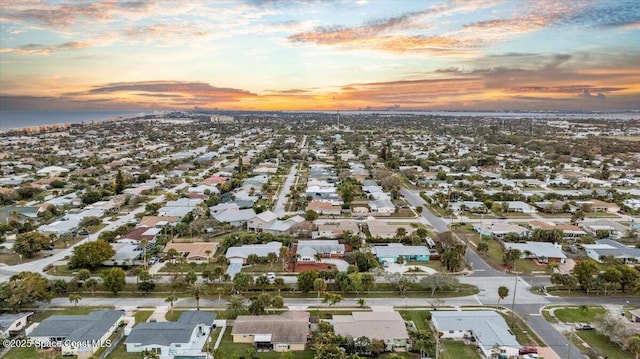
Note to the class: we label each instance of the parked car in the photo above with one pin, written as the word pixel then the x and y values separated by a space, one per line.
pixel 583 326
pixel 271 276
pixel 528 350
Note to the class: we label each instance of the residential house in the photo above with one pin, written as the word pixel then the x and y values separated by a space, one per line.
pixel 19 213
pixel 543 252
pixel 80 335
pixel 556 207
pixel 240 254
pixel 336 230
pixel 12 323
pixel 289 225
pixel 613 229
pixel 322 192
pixel 635 315
pixel 326 208
pixel 328 248
pixel 595 205
pixel 392 251
pixel 469 206
pixel 195 251
pixel 235 218
pixel 382 207
pixel 261 221
pixel 126 254
pixel 607 247
pixel 386 326
pixel 518 207
pixel 499 229
pixel 487 328
pixel 288 331
pixel 569 231
pixel 221 207
pixel 185 337
pixel 158 221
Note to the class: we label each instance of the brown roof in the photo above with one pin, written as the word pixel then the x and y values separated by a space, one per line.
pixel 322 205
pixel 152 221
pixel 194 250
pixel 288 327
pixel 136 234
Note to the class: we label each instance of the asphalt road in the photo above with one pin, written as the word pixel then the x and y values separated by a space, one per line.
pixel 286 188
pixel 415 200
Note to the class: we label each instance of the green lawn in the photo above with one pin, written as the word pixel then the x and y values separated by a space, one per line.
pixel 601 345
pixel 575 314
pixel 228 349
pixel 31 353
pixel 452 349
pixel 142 316
pixel 419 317
pixel 38 317
pixel 120 352
pixel 494 257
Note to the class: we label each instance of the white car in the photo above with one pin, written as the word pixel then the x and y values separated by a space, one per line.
pixel 271 275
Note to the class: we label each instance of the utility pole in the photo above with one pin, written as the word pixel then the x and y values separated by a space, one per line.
pixel 570 340
pixel 515 286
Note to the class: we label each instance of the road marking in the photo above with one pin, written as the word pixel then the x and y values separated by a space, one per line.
pixel 535 315
pixel 479 270
pixel 477 300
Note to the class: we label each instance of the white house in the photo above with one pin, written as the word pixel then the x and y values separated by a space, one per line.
pixel 186 336
pixel 12 323
pixel 488 328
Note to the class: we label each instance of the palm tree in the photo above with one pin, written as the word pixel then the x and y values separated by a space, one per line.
pixel 284 255
pixel 236 305
pixel 633 345
pixel 220 291
pixel 503 292
pixel 197 290
pixel 75 298
pixel 144 251
pixel 320 286
pixel 170 299
pixel 91 284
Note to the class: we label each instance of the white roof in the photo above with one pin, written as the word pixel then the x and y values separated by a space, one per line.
pixel 539 249
pixel 235 215
pixel 261 250
pixel 488 326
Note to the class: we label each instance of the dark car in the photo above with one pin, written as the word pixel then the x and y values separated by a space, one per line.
pixel 528 350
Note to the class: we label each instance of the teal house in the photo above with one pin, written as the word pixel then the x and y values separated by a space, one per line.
pixel 390 253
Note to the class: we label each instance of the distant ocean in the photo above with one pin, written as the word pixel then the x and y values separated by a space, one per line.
pixel 19 119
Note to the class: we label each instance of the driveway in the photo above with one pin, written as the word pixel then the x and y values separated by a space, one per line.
pixel 341 264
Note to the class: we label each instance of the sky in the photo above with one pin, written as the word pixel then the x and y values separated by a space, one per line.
pixel 320 55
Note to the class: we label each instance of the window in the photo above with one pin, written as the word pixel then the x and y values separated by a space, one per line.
pixel 451 331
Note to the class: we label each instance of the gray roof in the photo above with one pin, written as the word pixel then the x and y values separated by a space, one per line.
pixel 232 215
pixel 167 333
pixel 606 247
pixel 539 249
pixel 395 249
pixel 7 319
pixel 488 326
pixel 321 246
pixel 90 327
pixel 261 250
pixel 288 327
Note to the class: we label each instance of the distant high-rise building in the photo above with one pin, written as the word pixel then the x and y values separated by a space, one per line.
pixel 221 119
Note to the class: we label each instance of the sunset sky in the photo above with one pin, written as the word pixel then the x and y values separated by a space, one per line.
pixel 320 55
